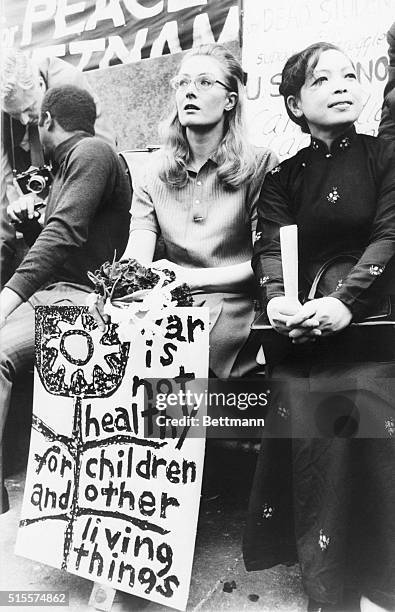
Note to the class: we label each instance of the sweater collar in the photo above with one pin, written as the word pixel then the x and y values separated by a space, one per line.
pixel 64 147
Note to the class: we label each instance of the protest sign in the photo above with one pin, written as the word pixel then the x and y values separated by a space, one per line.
pixel 104 499
pixel 273 31
pixel 97 34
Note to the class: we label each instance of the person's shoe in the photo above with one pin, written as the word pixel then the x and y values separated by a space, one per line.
pixel 5 504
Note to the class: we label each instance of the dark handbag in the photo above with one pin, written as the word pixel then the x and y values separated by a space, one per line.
pixel 331 274
pixel 320 281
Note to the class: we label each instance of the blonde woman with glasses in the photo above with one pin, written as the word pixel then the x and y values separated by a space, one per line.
pixel 199 195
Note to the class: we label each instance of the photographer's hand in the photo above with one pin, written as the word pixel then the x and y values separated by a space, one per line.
pixel 23 210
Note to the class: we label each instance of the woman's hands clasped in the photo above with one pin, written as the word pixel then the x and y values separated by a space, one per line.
pixel 304 323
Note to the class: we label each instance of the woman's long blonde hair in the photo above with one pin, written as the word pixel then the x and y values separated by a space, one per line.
pixel 235 156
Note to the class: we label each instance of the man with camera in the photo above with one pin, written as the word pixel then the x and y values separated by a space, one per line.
pixel 86 222
pixel 24 84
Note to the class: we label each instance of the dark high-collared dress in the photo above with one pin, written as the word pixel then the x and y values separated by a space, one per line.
pixel 324 489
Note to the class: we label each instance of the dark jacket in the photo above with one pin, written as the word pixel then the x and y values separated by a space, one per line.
pixel 86 220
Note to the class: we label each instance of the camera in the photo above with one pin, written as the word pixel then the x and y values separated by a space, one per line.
pixel 34 180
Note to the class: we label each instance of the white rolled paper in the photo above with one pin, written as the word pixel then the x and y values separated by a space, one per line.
pixel 289 259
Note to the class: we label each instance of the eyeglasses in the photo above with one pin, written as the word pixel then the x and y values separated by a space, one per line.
pixel 203 82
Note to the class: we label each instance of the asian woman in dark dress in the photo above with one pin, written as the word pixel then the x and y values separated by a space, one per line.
pixel 324 494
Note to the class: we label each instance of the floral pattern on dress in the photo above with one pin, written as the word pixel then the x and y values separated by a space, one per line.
pixel 323 540
pixel 275 170
pixel 344 143
pixel 263 280
pixel 390 426
pixel 333 196
pixel 267 511
pixel 283 411
pixel 376 270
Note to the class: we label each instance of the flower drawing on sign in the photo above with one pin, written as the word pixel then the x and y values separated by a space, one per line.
pixel 74 359
pixel 96 372
pixel 333 196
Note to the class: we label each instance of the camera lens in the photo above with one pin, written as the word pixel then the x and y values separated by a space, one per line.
pixel 36 183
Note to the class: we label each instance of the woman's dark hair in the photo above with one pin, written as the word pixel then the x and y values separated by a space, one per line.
pixel 72 107
pixel 295 72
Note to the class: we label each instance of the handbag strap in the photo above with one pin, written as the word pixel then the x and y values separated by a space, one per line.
pixel 323 269
pixel 36 152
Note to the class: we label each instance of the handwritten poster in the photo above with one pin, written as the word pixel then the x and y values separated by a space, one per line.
pixel 104 499
pixel 272 31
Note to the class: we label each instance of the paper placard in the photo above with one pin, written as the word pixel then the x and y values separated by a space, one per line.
pixel 102 499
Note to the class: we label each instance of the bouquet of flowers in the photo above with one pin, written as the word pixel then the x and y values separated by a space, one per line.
pixel 127 281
